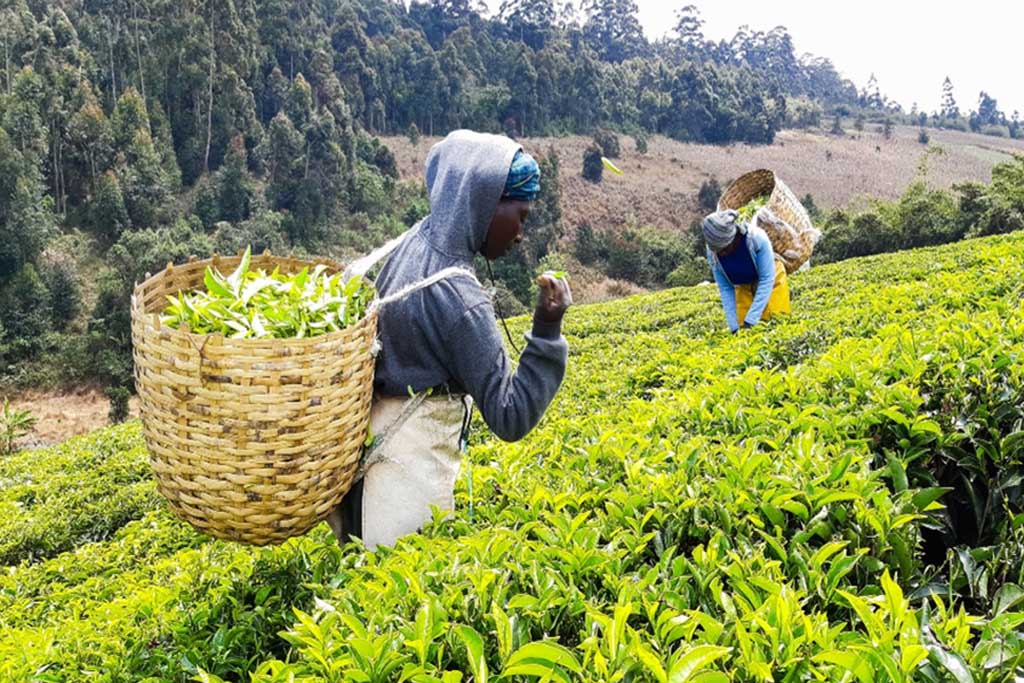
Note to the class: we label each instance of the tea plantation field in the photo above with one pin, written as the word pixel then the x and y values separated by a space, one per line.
pixel 836 496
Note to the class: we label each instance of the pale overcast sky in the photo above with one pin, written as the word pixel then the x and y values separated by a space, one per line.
pixel 910 46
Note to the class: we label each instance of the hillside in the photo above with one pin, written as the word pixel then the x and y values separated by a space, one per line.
pixel 696 506
pixel 135 134
pixel 660 188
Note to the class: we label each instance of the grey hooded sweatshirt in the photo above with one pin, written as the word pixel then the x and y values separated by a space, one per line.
pixel 446 334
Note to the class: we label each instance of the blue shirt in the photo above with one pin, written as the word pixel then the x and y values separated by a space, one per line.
pixel 739 265
pixel 759 249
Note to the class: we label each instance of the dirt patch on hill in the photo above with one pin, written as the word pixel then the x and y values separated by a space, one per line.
pixel 63 415
pixel 660 188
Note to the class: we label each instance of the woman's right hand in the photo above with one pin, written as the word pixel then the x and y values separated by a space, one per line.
pixel 554 297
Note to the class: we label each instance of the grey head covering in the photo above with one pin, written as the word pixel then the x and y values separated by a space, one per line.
pixel 720 229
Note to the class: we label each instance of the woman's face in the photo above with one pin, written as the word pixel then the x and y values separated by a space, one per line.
pixel 506 228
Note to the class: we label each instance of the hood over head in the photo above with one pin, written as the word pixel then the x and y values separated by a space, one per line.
pixel 466 175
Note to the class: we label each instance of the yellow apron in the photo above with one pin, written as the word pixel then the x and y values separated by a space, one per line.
pixel 778 303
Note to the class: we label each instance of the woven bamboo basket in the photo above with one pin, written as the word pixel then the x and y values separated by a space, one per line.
pixel 787 223
pixel 250 440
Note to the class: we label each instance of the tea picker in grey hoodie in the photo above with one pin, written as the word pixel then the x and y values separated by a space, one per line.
pixel 445 338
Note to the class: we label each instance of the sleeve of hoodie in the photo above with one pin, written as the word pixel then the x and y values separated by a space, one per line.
pixel 765 262
pixel 727 293
pixel 512 403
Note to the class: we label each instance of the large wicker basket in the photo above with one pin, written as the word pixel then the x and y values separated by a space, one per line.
pixel 785 219
pixel 252 441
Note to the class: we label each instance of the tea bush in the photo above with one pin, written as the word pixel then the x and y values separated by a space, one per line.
pixel 833 496
pixel 53 500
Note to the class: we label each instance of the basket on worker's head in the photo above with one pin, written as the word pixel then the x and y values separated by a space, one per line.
pixel 251 440
pixel 784 218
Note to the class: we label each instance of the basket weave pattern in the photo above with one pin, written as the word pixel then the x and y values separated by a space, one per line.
pixel 251 440
pixel 793 236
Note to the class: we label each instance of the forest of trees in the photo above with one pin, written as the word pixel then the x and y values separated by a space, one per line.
pixel 137 132
pixel 986 118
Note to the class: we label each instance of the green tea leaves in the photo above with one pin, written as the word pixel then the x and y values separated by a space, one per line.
pixel 1009 596
pixel 217 285
pixel 686 666
pixel 546 660
pixel 257 305
pixel 474 652
pixel 750 209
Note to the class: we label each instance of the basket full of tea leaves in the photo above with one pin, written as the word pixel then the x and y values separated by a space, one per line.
pixel 763 199
pixel 749 210
pixel 252 304
pixel 255 377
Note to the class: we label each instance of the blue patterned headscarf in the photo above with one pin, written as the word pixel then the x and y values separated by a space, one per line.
pixel 523 178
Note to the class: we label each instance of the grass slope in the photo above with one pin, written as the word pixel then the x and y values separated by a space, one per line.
pixel 696 506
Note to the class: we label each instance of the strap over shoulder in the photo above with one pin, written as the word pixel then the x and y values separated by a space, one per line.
pixel 362 266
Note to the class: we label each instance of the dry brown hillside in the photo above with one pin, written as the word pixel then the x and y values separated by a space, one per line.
pixel 63 414
pixel 659 188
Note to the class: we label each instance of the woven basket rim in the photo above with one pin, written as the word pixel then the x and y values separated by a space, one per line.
pixel 215 258
pixel 743 179
pixel 138 311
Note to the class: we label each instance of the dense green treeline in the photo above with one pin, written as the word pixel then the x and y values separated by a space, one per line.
pixel 137 132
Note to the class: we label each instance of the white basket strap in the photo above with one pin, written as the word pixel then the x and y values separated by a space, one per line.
pixel 375 452
pixel 454 271
pixel 362 266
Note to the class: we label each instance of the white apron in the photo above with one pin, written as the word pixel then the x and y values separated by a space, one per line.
pixel 412 465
